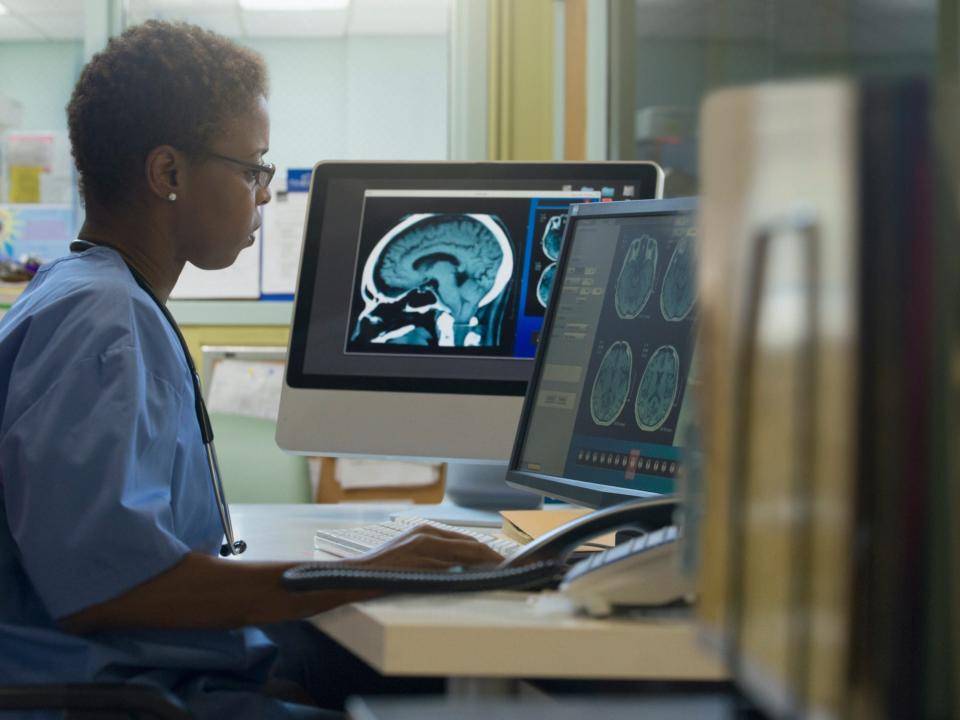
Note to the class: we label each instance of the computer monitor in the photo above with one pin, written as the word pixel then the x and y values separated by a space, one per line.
pixel 609 401
pixel 420 299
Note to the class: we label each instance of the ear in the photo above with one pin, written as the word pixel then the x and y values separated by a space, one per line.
pixel 165 170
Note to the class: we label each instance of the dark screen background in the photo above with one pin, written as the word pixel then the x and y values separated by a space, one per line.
pixel 325 291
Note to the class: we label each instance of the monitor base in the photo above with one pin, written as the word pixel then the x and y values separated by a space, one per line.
pixel 475 493
pixel 484 487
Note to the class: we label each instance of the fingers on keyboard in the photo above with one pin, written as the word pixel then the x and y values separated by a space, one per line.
pixel 428 550
pixel 440 532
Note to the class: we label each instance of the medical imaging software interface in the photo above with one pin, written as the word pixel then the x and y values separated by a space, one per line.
pixel 426 284
pixel 455 273
pixel 611 406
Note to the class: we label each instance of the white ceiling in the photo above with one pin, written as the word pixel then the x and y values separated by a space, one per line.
pixel 64 19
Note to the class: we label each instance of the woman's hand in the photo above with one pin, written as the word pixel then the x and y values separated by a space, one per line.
pixel 204 592
pixel 428 547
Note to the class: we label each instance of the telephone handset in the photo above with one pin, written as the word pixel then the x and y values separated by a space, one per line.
pixel 539 564
pixel 646 515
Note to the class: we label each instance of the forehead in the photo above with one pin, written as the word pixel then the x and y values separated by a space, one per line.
pixel 248 132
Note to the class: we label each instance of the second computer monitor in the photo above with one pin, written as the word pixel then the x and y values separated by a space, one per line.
pixel 421 295
pixel 610 407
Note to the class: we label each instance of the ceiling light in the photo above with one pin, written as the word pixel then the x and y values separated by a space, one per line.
pixel 3 10
pixel 293 5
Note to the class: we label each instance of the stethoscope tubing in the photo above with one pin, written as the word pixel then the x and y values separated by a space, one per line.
pixel 231 546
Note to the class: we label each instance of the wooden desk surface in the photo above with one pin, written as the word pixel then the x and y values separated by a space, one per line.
pixel 501 634
pixel 477 635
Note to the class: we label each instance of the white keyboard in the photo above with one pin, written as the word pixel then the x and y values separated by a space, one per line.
pixel 349 542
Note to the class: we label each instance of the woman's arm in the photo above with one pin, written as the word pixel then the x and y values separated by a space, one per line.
pixel 203 592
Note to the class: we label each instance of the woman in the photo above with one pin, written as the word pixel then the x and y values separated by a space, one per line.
pixel 108 524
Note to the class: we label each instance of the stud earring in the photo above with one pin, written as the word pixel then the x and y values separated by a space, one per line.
pixel 172 196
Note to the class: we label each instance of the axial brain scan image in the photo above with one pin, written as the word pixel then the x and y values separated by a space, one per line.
pixel 636 279
pixel 545 285
pixel 612 384
pixel 679 283
pixel 437 280
pixel 658 388
pixel 553 236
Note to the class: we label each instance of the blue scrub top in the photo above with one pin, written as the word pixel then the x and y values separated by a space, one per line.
pixel 103 481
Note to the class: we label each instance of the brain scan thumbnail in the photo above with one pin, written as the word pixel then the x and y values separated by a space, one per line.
pixel 636 279
pixel 679 283
pixel 553 236
pixel 437 280
pixel 612 384
pixel 658 388
pixel 545 285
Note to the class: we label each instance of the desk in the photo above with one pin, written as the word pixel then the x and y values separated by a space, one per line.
pixel 480 640
pixel 510 634
pixel 285 532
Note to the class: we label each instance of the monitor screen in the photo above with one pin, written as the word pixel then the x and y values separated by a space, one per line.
pixel 423 285
pixel 609 402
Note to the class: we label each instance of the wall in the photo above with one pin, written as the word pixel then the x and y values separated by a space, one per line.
pixel 359 98
pixel 344 98
pixel 40 75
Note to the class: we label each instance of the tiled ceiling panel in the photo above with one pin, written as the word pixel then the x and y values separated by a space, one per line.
pixel 13 28
pixel 225 21
pixel 389 17
pixel 58 27
pixel 64 19
pixel 301 23
pixel 45 7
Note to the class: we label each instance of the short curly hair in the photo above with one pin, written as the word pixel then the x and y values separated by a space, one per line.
pixel 159 83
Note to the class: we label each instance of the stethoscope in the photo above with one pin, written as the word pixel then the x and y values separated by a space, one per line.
pixel 231 546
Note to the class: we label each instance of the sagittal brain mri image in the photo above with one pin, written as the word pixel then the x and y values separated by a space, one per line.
pixel 545 285
pixel 658 388
pixel 612 384
pixel 552 239
pixel 437 279
pixel 636 279
pixel 679 283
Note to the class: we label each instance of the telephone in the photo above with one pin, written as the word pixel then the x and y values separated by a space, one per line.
pixel 596 583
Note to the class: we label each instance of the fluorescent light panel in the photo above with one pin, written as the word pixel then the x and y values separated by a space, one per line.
pixel 293 5
pixel 3 9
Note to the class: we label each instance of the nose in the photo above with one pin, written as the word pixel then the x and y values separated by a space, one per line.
pixel 263 195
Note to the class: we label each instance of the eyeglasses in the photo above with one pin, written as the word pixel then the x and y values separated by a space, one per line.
pixel 264 173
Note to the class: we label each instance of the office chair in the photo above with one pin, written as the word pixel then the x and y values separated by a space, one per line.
pixel 90 700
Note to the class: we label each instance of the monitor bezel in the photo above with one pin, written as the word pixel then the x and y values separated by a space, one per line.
pixel 579 492
pixel 647 175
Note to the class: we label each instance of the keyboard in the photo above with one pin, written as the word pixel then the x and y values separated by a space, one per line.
pixel 349 542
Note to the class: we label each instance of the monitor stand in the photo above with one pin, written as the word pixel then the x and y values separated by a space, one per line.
pixel 475 493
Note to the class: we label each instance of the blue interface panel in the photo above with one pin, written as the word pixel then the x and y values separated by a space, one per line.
pixel 611 399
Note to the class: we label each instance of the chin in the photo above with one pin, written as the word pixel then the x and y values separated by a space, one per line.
pixel 219 263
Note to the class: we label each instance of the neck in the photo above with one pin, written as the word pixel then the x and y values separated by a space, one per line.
pixel 145 246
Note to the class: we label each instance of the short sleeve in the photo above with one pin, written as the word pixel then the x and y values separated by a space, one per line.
pixel 86 480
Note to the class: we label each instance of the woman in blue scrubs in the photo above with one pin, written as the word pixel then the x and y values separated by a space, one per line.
pixel 109 530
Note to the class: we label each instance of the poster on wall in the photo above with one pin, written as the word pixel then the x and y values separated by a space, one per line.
pixel 40 232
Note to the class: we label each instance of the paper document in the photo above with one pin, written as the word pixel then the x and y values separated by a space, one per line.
pixel 37 168
pixel 240 280
pixel 246 387
pixel 353 474
pixel 39 231
pixel 526 525
pixel 283 222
